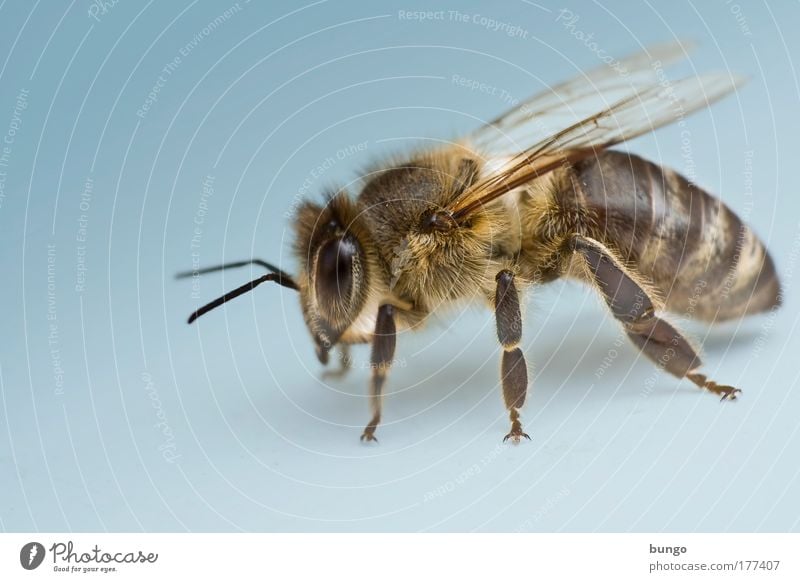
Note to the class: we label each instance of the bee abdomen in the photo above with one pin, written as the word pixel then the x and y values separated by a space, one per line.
pixel 705 262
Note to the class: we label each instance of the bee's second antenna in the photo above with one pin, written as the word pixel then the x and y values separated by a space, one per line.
pixel 286 278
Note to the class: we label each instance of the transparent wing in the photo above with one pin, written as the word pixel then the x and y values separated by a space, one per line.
pixel 640 110
pixel 566 103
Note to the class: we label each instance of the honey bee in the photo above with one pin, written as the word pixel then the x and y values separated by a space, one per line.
pixel 516 204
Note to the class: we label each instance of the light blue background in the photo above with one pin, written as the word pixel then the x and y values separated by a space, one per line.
pixel 262 442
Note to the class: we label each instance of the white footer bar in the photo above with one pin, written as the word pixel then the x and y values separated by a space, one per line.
pixel 390 557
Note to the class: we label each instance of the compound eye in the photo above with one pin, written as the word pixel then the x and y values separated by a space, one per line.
pixel 336 264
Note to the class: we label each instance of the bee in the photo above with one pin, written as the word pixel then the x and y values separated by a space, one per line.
pixel 535 195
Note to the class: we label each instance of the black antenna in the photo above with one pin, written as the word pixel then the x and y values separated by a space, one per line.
pixel 280 277
pixel 268 266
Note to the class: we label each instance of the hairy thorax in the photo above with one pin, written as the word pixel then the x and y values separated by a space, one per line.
pixel 430 268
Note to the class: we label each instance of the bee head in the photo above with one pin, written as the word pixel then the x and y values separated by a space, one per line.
pixel 330 246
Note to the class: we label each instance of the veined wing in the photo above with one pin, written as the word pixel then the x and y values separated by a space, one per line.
pixel 641 111
pixel 568 102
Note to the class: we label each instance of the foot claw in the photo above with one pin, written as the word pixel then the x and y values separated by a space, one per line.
pixel 516 437
pixel 368 437
pixel 727 392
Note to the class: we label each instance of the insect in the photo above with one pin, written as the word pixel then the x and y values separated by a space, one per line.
pixel 533 196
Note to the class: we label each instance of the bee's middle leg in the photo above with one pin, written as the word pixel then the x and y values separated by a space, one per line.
pixel 514 371
pixel 630 304
pixel 383 344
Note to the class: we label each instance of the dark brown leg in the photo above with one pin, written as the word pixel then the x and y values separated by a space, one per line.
pixel 514 372
pixel 630 304
pixel 383 344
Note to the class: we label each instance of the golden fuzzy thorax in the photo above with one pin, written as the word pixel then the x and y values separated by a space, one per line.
pixel 431 269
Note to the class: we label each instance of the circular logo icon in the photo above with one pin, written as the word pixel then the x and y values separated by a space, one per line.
pixel 31 555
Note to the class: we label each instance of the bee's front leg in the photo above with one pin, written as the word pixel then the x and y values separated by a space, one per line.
pixel 383 344
pixel 514 371
pixel 345 363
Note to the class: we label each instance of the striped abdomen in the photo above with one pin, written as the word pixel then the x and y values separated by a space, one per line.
pixel 705 262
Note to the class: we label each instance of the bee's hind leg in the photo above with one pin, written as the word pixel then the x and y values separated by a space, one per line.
pixel 383 344
pixel 630 304
pixel 514 371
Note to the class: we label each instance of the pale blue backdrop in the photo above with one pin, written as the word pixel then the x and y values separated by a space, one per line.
pixel 141 137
